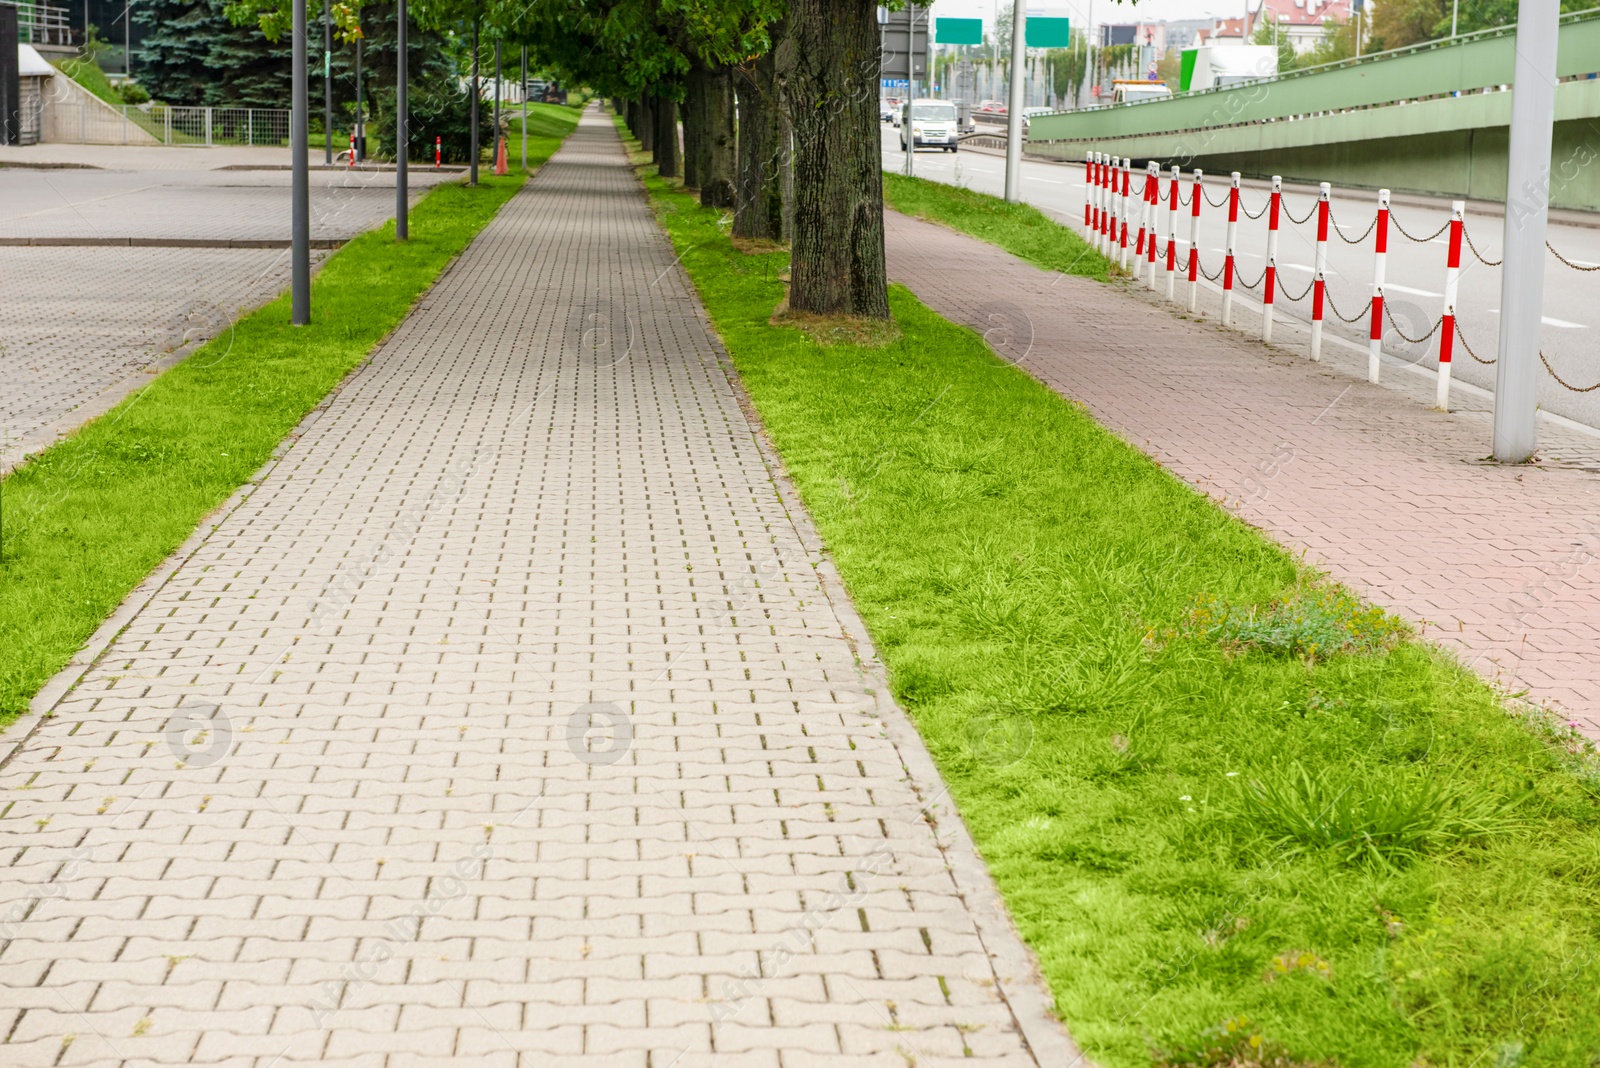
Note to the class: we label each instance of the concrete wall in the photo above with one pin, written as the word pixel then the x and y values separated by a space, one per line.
pixel 72 114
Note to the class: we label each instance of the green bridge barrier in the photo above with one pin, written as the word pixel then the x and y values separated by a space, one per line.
pixel 1392 120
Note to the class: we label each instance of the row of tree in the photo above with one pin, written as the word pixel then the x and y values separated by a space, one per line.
pixel 778 104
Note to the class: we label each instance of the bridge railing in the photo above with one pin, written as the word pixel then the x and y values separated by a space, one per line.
pixel 1474 62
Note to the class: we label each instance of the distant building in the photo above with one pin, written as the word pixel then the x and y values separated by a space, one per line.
pixel 1300 22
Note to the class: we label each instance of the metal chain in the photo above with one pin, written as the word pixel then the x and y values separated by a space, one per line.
pixel 1419 240
pixel 1182 202
pixel 1209 276
pixel 1463 339
pixel 1303 293
pixel 1215 203
pixel 1423 340
pixel 1575 267
pixel 1357 317
pixel 1309 213
pixel 1563 381
pixel 1487 263
pixel 1250 285
pixel 1347 240
pixel 1258 214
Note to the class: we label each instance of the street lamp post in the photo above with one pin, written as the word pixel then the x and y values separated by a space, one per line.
pixel 1533 107
pixel 327 87
pixel 361 125
pixel 402 129
pixel 525 107
pixel 473 178
pixel 1019 18
pixel 299 182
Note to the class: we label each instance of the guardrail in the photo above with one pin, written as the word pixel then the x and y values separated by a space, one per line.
pixel 1132 216
pixel 38 24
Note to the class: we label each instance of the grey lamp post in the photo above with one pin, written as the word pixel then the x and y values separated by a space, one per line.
pixel 473 176
pixel 299 182
pixel 327 86
pixel 402 129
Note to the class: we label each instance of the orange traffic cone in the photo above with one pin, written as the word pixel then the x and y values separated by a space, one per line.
pixel 500 157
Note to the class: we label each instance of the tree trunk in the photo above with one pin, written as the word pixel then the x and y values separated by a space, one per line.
pixel 693 96
pixel 762 155
pixel 647 127
pixel 666 137
pixel 831 56
pixel 717 182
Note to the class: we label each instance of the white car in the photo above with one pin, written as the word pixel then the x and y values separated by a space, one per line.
pixel 933 125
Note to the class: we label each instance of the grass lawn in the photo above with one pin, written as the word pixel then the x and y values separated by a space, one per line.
pixel 1242 818
pixel 87 519
pixel 1020 229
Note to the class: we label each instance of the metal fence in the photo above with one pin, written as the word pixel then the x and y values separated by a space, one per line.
pixel 103 124
pixel 40 24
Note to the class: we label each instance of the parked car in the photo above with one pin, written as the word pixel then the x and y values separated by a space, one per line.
pixel 889 109
pixel 996 107
pixel 932 125
pixel 1028 113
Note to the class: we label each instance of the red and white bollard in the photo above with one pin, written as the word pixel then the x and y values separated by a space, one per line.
pixel 1088 193
pixel 1270 285
pixel 1227 260
pixel 1127 167
pixel 1144 220
pixel 1379 262
pixel 1172 234
pixel 1108 180
pixel 1094 193
pixel 438 151
pixel 1319 280
pixel 1152 209
pixel 352 148
pixel 1195 199
pixel 1447 325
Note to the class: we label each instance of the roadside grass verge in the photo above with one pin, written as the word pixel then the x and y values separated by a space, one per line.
pixel 87 519
pixel 1241 817
pixel 1021 229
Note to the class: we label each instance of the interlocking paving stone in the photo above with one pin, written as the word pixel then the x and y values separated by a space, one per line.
pixel 1499 563
pixel 531 729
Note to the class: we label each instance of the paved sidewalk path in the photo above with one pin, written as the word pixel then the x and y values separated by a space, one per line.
pixel 532 733
pixel 1502 564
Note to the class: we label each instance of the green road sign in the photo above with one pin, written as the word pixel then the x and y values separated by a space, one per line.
pixel 1041 32
pixel 958 31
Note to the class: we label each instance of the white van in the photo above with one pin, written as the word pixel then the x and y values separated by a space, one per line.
pixel 1131 92
pixel 933 124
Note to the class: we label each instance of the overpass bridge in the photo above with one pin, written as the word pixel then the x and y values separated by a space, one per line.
pixel 1433 118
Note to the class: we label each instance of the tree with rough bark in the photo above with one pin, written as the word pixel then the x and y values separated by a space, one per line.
pixel 830 61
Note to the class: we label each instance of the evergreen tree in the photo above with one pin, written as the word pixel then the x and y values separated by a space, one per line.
pixel 192 54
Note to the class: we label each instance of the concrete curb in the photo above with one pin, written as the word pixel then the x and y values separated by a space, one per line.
pixel 165 242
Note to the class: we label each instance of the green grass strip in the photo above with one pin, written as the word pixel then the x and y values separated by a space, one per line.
pixel 1103 662
pixel 86 520
pixel 1021 229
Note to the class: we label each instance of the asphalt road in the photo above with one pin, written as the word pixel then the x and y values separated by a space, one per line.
pixel 1415 274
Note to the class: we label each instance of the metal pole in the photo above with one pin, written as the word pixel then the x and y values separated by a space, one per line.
pixel 402 129
pixel 911 87
pixel 473 180
pixel 300 184
pixel 525 108
pixel 1533 103
pixel 361 127
pixel 1455 12
pixel 327 86
pixel 496 149
pixel 1019 18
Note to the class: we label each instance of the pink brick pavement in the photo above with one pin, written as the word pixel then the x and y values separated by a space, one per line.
pixel 1499 564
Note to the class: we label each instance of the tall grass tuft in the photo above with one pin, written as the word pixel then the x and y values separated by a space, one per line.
pixel 1382 816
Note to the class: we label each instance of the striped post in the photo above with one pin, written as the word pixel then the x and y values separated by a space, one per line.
pixel 1127 166
pixel 1088 193
pixel 1319 280
pixel 1227 260
pixel 1447 326
pixel 1270 286
pixel 1144 213
pixel 1105 210
pixel 1111 207
pixel 1172 234
pixel 1153 209
pixel 1196 198
pixel 1379 263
